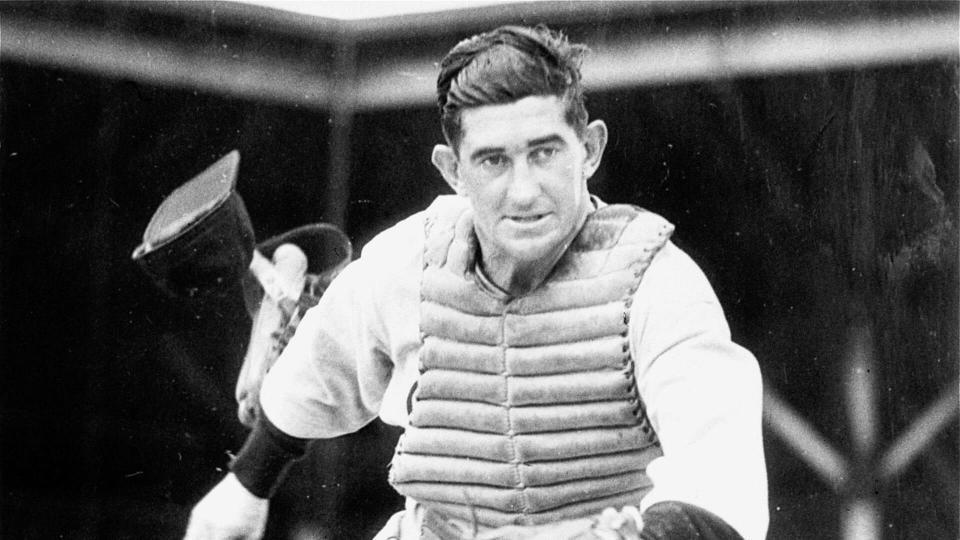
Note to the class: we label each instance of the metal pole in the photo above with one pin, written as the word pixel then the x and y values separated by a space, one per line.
pixel 342 106
pixel 861 518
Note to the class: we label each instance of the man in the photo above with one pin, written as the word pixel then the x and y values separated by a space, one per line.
pixel 559 366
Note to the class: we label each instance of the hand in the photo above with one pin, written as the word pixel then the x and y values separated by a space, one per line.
pixel 228 512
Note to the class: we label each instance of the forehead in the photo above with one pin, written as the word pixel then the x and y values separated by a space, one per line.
pixel 513 124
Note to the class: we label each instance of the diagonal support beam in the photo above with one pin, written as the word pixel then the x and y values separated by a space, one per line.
pixel 805 440
pixel 921 432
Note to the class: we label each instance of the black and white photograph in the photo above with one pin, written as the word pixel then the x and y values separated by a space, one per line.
pixel 480 269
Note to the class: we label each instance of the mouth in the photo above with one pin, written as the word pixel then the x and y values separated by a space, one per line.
pixel 527 219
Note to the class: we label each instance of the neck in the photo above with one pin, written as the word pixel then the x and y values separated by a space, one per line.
pixel 517 278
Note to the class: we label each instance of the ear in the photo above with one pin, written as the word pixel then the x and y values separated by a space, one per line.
pixel 595 141
pixel 445 160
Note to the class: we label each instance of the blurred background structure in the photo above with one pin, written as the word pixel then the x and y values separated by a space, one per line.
pixel 807 152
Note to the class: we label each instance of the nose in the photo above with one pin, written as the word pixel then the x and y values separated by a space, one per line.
pixel 524 187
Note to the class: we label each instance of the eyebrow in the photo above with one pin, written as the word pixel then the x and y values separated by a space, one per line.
pixel 491 150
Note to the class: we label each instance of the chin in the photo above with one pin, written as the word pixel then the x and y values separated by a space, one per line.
pixel 531 251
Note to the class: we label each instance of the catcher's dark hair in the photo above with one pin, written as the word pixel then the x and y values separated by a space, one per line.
pixel 507 64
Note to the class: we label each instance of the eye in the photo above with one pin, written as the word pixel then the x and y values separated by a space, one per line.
pixel 543 154
pixel 493 163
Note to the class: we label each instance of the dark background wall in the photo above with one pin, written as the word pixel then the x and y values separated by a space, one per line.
pixel 810 200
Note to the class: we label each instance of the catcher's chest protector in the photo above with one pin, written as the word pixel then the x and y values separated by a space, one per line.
pixel 526 410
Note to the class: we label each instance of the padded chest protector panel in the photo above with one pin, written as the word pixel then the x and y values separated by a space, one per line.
pixel 527 410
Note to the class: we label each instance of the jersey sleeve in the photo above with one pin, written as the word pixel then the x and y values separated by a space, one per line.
pixel 331 378
pixel 703 395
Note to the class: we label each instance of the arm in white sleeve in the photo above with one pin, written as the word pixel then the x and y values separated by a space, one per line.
pixel 703 395
pixel 331 378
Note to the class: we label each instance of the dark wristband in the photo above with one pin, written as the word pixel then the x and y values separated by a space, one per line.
pixel 671 520
pixel 267 454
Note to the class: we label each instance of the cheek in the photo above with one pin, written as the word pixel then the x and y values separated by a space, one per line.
pixel 485 208
pixel 487 197
pixel 568 188
pixel 568 173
